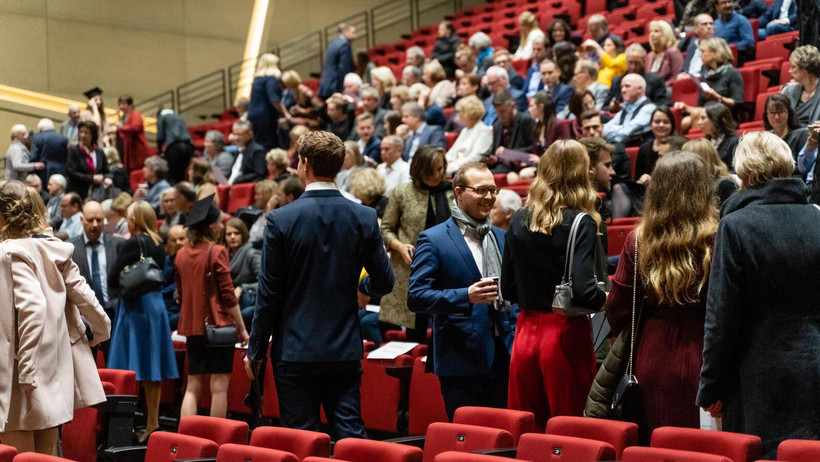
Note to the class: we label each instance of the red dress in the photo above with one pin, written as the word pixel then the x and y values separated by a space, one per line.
pixel 669 352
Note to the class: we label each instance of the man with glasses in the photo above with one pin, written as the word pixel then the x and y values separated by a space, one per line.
pixel 502 58
pixel 497 80
pixel 655 86
pixel 704 29
pixel 455 276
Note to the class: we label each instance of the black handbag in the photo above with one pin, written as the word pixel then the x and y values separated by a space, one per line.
pixel 216 337
pixel 141 277
pixel 562 302
pixel 626 401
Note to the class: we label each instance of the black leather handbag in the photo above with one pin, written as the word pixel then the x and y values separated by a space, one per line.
pixel 626 401
pixel 141 277
pixel 216 337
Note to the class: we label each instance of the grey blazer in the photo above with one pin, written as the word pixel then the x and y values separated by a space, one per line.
pixel 793 91
pixel 245 265
pixel 112 246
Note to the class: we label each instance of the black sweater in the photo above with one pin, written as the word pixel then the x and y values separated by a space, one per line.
pixel 130 253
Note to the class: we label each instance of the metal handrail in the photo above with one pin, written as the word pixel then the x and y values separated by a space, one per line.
pixel 362 23
pixel 150 106
pixel 394 14
pixel 202 90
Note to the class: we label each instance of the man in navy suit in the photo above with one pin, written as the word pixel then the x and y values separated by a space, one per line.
pixel 312 255
pixel 778 19
pixel 338 62
pixel 413 115
pixel 533 83
pixel 451 277
pixel 50 148
pixel 369 145
pixel 551 78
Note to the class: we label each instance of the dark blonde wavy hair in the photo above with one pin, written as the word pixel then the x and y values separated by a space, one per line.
pixel 21 217
pixel 562 182
pixel 680 216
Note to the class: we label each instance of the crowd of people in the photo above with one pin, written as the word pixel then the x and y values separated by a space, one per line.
pixel 720 264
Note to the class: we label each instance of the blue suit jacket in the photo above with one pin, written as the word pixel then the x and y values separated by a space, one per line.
pixel 51 148
pixel 432 134
pixel 530 71
pixel 774 11
pixel 373 149
pixel 443 268
pixel 338 63
pixel 312 255
pixel 560 96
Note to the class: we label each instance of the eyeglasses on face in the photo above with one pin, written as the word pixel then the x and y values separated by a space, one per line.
pixel 482 191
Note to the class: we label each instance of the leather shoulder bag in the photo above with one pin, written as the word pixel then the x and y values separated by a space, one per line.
pixel 626 401
pixel 216 337
pixel 141 277
pixel 562 300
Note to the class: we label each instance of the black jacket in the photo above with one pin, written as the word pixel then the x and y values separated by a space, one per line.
pixel 655 90
pixel 80 178
pixel 761 353
pixel 253 167
pixel 521 139
pixel 445 52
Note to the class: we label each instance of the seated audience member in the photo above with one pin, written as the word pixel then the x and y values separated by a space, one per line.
pixel 340 117
pixel 635 64
pixel 353 161
pixel 370 103
pixel 265 199
pixel 579 103
pixel 559 92
pixel 528 31
pixel 392 121
pixel 410 75
pixel 780 119
pixel 155 170
pixel 565 57
pixel 586 73
pixel 693 9
pixel 119 206
pixel 511 130
pixel 631 124
pixel 465 61
pixel 704 29
pixel 249 164
pixel 353 87
pixel 383 82
pixel 245 262
pixel 611 55
pixel 414 56
pixel 33 180
pixel 413 115
pixel 665 59
pixel 777 19
pixel 168 210
pixel 807 161
pixel 481 45
pixel 177 238
pixel 593 126
pixel 726 183
pixel 598 30
pixel 532 82
pixel 441 91
pixel 476 138
pixel 184 198
pixel 627 198
pixel 468 85
pixel 201 176
pixel 498 80
pixel 444 50
pixel 368 186
pixel 398 96
pixel 559 31
pixel 719 128
pixel 434 115
pixel 393 168
pixel 546 130
pixel 116 171
pixel 369 145
pixel 56 189
pixel 507 202
pixel 71 209
pixel 502 58
pixel 735 29
pixel 298 99
pixel 803 92
pixel 289 190
pixel 216 154
pixel 294 135
pixel 277 161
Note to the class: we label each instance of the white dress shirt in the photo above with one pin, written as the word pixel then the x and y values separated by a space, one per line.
pixel 72 226
pixel 476 247
pixel 394 174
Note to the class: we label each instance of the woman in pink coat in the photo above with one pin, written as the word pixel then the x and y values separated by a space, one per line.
pixel 38 283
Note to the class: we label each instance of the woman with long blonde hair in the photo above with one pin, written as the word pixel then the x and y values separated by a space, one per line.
pixel 674 249
pixel 726 183
pixel 528 31
pixel 552 363
pixel 265 106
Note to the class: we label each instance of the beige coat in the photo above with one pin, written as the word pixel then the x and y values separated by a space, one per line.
pixel 44 287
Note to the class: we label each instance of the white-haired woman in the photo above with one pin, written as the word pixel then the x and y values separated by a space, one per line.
pixel 266 107
pixel 761 363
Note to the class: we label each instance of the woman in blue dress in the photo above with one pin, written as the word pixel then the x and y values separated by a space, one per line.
pixel 265 107
pixel 141 341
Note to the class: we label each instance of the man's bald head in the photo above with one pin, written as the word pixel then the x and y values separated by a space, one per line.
pixel 704 26
pixel 177 238
pixel 93 220
pixel 633 88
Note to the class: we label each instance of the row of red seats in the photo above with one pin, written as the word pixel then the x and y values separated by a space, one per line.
pixel 231 197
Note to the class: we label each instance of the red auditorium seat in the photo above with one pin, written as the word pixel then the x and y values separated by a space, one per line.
pixel 631 221
pixel 751 82
pixel 381 394
pixel 760 104
pixel 785 75
pixel 633 160
pixel 776 46
pixel 223 192
pixel 448 111
pixel 359 450
pixel 219 430
pixel 592 7
pixel 425 405
pixel 242 453
pixel 241 196
pixel 616 238
pixel 451 139
pixel 735 446
pixel 34 457
pixel 125 382
pixel 641 454
pixel 619 434
pixel 136 177
pixel 619 15
pixel 799 451
pixel 515 422
pixel 322 459
pixel 455 456
pixel 7 453
pixel 686 91
pixel 301 443
pixel 521 66
pixel 167 447
pixel 443 437
pixel 535 447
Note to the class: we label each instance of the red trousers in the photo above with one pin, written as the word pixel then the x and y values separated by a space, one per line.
pixel 552 365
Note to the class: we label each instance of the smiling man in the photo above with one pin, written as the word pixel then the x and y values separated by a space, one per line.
pixel 455 277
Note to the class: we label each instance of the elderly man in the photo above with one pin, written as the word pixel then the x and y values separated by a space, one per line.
pixel 586 73
pixel 71 209
pixel 370 103
pixel 338 62
pixel 33 180
pixel 18 157
pixel 410 75
pixel 692 63
pixel 481 44
pixel 50 148
pixel 69 127
pixel 155 170
pixel 735 29
pixel 533 83
pixel 353 87
pixel 559 92
pixel 393 168
pixel 506 203
pixel 413 115
pixel 498 80
pixel 632 122
pixel 415 57
pixel 503 59
pixel 655 87
pixel 249 165
pixel 56 189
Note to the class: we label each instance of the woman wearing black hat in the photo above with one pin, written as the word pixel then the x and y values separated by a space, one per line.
pixel 206 296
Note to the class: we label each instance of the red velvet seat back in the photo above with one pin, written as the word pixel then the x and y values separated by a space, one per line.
pixel 220 431
pixel 443 437
pixel 558 448
pixel 642 454
pixel 166 446
pixel 302 443
pixel 619 434
pixel 359 450
pixel 515 422
pixel 241 453
pixel 735 446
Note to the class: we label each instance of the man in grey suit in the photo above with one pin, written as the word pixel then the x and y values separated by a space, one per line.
pixel 18 157
pixel 69 127
pixel 413 115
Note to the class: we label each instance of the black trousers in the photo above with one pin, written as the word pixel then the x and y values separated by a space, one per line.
pixel 488 390
pixel 304 387
pixel 178 154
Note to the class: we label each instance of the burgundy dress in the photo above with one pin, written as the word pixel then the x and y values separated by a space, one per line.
pixel 669 352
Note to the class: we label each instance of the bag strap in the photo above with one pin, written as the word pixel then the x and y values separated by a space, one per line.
pixel 142 253
pixel 576 223
pixel 208 284
pixel 629 366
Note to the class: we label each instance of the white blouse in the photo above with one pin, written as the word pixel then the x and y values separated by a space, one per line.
pixel 471 145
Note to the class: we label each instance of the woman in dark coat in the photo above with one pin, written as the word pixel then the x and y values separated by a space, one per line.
pixel 445 48
pixel 265 107
pixel 780 119
pixel 761 352
pixel 86 164
pixel 675 239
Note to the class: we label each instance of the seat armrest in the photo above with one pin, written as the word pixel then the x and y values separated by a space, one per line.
pixel 499 452
pixel 124 454
pixel 417 441
pixel 205 459
pixel 399 372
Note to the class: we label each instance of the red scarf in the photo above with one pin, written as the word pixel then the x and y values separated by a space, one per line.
pixel 88 160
